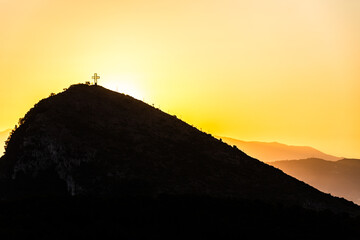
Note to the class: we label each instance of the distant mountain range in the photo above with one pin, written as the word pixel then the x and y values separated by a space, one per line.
pixel 273 151
pixel 337 176
pixel 340 178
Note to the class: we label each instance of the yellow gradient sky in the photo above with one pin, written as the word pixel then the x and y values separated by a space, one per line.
pixel 279 70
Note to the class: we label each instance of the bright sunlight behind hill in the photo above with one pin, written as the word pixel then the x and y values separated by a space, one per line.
pixel 285 71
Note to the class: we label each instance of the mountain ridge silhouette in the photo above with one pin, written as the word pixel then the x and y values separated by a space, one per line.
pixel 93 163
pixel 98 142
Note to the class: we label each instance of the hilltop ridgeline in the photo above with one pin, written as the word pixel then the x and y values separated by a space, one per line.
pixel 90 141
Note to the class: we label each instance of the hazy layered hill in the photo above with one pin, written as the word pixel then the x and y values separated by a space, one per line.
pixel 340 178
pixel 93 163
pixel 274 151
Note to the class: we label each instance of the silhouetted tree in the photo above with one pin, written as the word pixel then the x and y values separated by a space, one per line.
pixel 21 121
pixel 9 137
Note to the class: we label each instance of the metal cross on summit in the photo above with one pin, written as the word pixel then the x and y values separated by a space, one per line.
pixel 95 77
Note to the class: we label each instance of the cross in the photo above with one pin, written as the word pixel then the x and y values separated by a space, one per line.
pixel 95 77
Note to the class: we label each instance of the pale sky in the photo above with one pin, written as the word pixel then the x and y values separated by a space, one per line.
pixel 280 70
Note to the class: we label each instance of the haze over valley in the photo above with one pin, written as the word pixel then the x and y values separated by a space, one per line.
pixel 273 151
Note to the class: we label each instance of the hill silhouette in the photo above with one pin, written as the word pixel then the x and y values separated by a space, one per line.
pixel 340 178
pixel 273 151
pixel 117 165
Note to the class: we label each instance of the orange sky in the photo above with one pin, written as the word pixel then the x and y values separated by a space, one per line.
pixel 280 70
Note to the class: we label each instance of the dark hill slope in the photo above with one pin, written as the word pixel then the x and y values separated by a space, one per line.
pixel 92 141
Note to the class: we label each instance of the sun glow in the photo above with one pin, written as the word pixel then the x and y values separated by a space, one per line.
pixel 259 70
pixel 125 83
